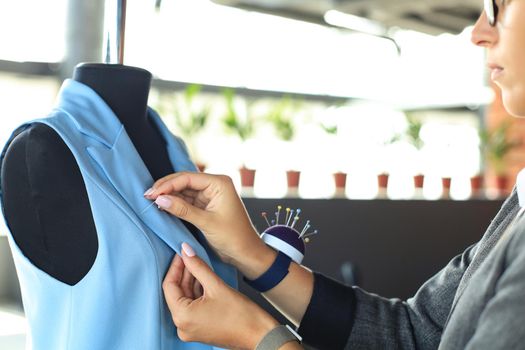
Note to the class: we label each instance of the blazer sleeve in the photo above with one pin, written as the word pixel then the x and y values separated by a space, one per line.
pixel 342 317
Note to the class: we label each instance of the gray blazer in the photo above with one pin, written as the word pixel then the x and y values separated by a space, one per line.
pixel 476 302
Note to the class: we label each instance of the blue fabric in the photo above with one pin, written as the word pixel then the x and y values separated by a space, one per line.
pixel 119 304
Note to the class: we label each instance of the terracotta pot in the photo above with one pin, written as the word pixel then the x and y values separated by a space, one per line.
pixel 446 182
pixel 501 183
pixel 340 180
pixel 476 183
pixel 201 166
pixel 445 187
pixel 382 180
pixel 419 180
pixel 292 177
pixel 247 177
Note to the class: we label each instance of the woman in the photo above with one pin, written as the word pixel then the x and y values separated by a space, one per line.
pixel 477 301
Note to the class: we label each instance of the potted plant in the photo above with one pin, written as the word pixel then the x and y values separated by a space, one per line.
pixel 382 181
pixel 446 183
pixel 191 121
pixel 339 176
pixel 496 146
pixel 413 136
pixel 477 179
pixel 476 185
pixel 384 175
pixel 244 128
pixel 281 119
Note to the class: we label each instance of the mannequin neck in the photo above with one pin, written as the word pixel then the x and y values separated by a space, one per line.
pixel 124 89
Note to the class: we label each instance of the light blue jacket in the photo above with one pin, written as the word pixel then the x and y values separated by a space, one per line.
pixel 119 304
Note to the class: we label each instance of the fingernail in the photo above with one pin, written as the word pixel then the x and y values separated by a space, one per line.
pixel 148 192
pixel 163 202
pixel 188 249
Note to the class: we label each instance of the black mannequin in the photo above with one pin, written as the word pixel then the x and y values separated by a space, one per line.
pixel 44 197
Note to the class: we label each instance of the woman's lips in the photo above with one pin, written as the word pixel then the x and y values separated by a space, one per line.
pixel 496 71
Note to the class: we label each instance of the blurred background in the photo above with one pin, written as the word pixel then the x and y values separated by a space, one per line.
pixel 352 109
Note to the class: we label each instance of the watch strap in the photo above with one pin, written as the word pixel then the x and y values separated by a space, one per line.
pixel 273 276
pixel 278 336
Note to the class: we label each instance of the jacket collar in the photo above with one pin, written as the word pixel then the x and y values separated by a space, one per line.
pixel 93 118
pixel 88 111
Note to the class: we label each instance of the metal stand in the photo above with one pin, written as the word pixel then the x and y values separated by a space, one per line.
pixel 115 24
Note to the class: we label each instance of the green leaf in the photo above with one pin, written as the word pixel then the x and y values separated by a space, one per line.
pixel 413 132
pixel 189 122
pixel 244 128
pixel 281 119
pixel 191 91
pixel 332 130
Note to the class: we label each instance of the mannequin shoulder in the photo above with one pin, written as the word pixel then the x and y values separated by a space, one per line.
pixel 46 204
pixel 38 137
pixel 41 153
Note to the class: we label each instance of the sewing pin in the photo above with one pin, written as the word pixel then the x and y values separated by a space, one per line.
pixel 287 213
pixel 290 218
pixel 294 221
pixel 296 217
pixel 306 237
pixel 306 227
pixel 265 216
pixel 277 214
pixel 310 234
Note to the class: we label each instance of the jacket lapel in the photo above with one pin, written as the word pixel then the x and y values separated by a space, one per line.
pixel 494 232
pixel 128 175
pixel 180 160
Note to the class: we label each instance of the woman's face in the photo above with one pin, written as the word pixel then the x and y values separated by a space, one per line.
pixel 505 45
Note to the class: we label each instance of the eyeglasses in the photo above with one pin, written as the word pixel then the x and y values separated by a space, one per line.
pixel 491 9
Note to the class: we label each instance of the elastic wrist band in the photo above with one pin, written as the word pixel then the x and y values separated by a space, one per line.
pixel 277 337
pixel 273 276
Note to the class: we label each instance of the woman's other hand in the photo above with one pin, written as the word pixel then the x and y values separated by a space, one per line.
pixel 212 203
pixel 215 314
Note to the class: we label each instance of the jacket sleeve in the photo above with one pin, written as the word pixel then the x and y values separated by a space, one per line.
pixel 341 317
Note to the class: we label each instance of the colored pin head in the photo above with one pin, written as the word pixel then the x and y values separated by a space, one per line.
pixel 277 214
pixel 265 216
pixel 286 238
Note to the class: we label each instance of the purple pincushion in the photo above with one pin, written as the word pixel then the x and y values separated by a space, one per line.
pixel 288 235
pixel 285 238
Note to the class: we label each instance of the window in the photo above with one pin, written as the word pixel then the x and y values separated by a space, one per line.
pixel 32 30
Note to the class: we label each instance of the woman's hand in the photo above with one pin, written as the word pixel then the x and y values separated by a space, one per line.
pixel 211 203
pixel 217 314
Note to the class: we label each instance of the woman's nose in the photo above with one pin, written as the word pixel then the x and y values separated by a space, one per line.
pixel 483 33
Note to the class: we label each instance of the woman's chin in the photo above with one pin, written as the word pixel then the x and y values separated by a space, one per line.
pixel 514 104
